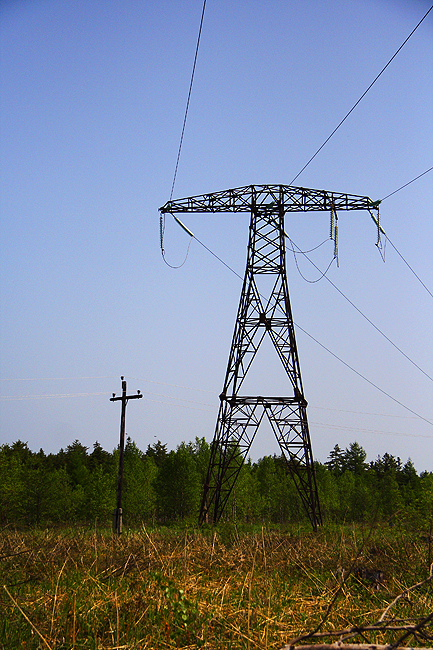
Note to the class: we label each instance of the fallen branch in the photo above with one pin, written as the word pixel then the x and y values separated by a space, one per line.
pixel 349 646
pixel 406 591
pixel 417 628
pixel 379 626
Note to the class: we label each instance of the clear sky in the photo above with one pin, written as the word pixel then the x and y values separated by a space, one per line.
pixel 93 95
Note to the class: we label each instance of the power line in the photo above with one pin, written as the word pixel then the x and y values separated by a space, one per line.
pixel 161 383
pixel 188 405
pixel 189 97
pixel 180 399
pixel 363 376
pixel 6 398
pixel 55 378
pixel 218 258
pixel 409 266
pixel 322 273
pixel 342 427
pixel 382 415
pixel 333 354
pixel 155 401
pixel 354 306
pixel 393 245
pixel 406 184
pixel 366 317
pixel 162 218
pixel 362 97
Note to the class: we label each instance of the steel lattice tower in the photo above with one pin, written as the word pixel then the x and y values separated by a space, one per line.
pixel 259 315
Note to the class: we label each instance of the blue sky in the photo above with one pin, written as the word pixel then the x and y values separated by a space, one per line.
pixel 93 96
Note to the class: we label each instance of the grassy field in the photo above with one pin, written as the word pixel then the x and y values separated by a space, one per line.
pixel 213 589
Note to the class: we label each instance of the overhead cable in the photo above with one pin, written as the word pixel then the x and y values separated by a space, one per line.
pixel 187 101
pixel 342 427
pixel 382 415
pixel 162 383
pixel 406 184
pixel 409 266
pixel 393 245
pixel 366 318
pixel 323 274
pixel 218 258
pixel 6 398
pixel 178 399
pixel 162 218
pixel 363 376
pixel 333 354
pixel 55 378
pixel 362 96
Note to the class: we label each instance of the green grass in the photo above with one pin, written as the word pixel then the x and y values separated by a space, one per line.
pixel 215 589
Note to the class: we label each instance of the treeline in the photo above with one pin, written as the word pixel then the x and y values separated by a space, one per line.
pixel 162 486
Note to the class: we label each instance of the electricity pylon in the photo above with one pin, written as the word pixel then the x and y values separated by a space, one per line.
pixel 259 315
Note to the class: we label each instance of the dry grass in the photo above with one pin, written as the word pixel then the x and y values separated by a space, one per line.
pixel 212 589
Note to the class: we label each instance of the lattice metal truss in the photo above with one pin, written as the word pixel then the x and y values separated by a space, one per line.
pixel 259 315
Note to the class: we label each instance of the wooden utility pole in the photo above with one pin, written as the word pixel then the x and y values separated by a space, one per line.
pixel 117 515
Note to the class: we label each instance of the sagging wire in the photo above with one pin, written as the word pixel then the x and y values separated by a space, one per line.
pixel 363 376
pixel 299 252
pixel 382 247
pixel 333 235
pixel 189 98
pixel 161 237
pixel 311 250
pixel 324 275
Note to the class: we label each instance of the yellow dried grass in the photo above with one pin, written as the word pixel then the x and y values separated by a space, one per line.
pixel 90 590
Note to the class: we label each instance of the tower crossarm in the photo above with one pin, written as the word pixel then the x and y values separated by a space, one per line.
pixel 270 198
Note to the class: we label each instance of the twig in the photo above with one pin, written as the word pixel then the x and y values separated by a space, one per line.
pixel 347 646
pixel 27 618
pixel 363 628
pixel 416 628
pixel 380 626
pixel 406 591
pixel 28 550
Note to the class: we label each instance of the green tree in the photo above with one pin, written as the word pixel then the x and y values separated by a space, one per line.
pixel 99 495
pixel 139 474
pixel 76 462
pixel 335 462
pixel 101 458
pixel 269 487
pixel 388 497
pixel 12 486
pixel 158 452
pixel 327 487
pixel 178 485
pixel 244 501
pixel 62 509
pixel 353 459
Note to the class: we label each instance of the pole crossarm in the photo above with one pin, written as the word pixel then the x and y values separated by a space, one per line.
pixel 270 198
